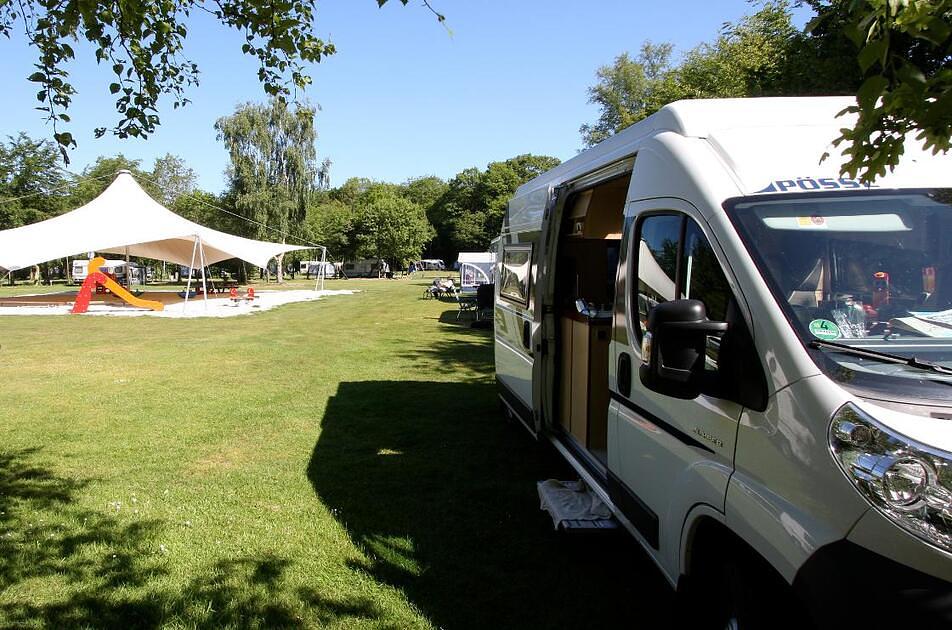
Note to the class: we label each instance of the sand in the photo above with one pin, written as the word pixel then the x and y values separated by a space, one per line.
pixel 214 307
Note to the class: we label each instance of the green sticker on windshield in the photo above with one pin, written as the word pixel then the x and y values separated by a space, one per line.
pixel 824 329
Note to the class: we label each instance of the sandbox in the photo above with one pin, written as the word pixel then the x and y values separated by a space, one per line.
pixel 175 305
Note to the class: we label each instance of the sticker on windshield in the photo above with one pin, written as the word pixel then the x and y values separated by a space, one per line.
pixel 814 221
pixel 824 329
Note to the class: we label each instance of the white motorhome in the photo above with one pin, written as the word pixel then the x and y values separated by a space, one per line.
pixel 746 356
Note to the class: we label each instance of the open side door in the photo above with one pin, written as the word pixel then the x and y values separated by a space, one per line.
pixel 545 333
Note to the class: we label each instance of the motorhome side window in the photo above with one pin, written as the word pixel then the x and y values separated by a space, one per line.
pixel 514 276
pixel 675 264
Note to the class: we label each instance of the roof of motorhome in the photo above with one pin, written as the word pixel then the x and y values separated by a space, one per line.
pixel 700 118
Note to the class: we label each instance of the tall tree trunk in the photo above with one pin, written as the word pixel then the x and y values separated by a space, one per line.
pixel 280 259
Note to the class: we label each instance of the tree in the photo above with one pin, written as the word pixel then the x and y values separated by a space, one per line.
pixel 202 207
pixel 330 223
pixel 627 91
pixel 173 178
pixel 274 166
pixel 96 178
pixel 895 56
pixel 32 185
pixel 753 57
pixel 144 44
pixel 905 56
pixel 470 213
pixel 749 58
pixel 424 191
pixel 388 225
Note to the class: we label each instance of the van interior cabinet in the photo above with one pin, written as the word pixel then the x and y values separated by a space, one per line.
pixel 589 242
pixel 583 397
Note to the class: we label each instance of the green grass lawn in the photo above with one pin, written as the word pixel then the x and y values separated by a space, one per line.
pixel 339 463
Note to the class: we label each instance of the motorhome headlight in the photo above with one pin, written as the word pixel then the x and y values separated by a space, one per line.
pixel 908 482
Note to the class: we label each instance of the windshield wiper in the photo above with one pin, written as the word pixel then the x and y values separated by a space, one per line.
pixel 885 357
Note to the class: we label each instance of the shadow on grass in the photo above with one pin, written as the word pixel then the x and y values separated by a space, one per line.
pixel 470 349
pixel 101 570
pixel 439 493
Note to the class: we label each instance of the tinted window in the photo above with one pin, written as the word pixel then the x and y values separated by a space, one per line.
pixel 657 262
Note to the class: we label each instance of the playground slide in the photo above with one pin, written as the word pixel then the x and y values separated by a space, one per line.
pixel 97 277
pixel 125 296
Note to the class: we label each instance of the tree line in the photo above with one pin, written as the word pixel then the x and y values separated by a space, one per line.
pixel 895 56
pixel 277 189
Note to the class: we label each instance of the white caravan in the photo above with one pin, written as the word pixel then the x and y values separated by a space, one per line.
pixel 746 356
pixel 116 267
pixel 370 268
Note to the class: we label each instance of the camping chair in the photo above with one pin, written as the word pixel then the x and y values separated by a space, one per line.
pixel 250 296
pixel 445 287
pixel 484 301
pixel 233 296
pixel 467 303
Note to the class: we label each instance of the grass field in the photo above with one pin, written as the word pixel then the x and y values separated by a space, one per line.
pixel 339 463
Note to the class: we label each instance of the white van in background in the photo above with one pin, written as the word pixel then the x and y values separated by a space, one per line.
pixel 746 357
pixel 116 267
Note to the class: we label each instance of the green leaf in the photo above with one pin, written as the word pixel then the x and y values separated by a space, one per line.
pixel 113 88
pixel 873 52
pixel 37 77
pixel 870 91
pixel 909 73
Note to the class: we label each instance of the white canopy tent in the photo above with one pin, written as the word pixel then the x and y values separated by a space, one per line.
pixel 124 219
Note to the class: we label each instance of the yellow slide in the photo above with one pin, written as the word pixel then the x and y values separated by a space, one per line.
pixel 121 293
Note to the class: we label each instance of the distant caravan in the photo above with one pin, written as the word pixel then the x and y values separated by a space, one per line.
pixel 746 357
pixel 365 269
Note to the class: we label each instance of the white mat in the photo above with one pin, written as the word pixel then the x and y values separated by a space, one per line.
pixel 570 501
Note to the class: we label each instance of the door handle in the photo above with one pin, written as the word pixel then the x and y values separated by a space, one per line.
pixel 527 335
pixel 623 376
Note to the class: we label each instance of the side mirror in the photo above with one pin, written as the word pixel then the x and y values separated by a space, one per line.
pixel 673 348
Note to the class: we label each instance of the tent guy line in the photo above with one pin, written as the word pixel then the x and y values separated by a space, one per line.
pixel 236 215
pixel 57 188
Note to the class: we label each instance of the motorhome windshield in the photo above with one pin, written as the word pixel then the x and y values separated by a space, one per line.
pixel 868 271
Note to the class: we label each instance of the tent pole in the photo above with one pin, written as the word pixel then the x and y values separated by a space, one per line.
pixel 201 254
pixel 321 273
pixel 323 266
pixel 188 283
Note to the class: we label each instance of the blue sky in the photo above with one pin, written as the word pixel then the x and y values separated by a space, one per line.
pixel 402 97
